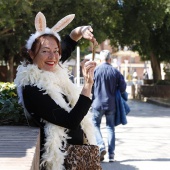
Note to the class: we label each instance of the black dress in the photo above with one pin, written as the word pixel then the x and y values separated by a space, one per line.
pixel 42 106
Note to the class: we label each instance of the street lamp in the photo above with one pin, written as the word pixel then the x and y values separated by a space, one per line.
pixel 78 66
pixel 126 68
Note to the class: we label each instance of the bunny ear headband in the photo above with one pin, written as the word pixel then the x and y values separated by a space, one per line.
pixel 40 26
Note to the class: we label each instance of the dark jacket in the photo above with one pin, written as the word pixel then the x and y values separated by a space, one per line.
pixel 43 107
pixel 106 80
pixel 122 108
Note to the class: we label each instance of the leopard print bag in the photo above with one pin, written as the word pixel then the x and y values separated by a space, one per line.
pixel 82 157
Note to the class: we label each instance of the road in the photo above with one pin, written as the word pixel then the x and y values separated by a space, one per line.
pixel 144 143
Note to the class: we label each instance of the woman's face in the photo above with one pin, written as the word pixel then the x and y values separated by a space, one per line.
pixel 48 55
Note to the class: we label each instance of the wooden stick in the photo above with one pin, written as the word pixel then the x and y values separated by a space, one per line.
pixel 93 51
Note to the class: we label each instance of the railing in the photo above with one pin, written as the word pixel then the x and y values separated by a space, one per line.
pixel 81 80
pixel 132 82
pixel 133 86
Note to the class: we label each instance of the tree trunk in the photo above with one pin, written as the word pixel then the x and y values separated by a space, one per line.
pixel 10 69
pixel 155 64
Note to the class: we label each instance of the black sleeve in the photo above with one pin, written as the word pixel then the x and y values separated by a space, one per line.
pixel 67 46
pixel 44 107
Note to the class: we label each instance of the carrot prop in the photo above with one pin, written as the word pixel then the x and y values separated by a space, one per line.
pixel 93 51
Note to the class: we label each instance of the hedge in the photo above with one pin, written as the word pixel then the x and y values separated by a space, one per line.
pixel 11 113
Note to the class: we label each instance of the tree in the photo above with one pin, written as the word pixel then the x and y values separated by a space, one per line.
pixel 17 22
pixel 13 29
pixel 145 26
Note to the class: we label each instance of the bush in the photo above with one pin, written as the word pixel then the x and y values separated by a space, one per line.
pixel 11 113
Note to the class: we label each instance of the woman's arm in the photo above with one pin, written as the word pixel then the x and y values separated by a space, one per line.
pixel 88 73
pixel 68 45
pixel 82 31
pixel 42 106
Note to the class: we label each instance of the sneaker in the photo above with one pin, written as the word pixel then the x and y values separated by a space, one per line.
pixel 111 158
pixel 102 153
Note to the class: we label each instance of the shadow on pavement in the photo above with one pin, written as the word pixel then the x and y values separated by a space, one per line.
pixel 121 165
pixel 158 159
pixel 117 166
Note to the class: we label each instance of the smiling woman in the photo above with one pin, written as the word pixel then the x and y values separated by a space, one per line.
pixel 50 99
pixel 46 53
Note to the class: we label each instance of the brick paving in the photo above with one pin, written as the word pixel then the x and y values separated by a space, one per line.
pixel 144 143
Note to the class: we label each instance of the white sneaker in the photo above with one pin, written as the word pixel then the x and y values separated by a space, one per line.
pixel 111 158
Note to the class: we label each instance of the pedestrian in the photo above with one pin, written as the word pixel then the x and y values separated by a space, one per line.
pixel 145 74
pixel 107 80
pixel 135 75
pixel 49 97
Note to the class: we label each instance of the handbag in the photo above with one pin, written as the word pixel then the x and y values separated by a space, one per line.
pixel 82 157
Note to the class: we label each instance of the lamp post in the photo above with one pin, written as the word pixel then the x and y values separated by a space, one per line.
pixel 126 69
pixel 78 66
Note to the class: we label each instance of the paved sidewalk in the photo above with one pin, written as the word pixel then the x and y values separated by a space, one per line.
pixel 144 143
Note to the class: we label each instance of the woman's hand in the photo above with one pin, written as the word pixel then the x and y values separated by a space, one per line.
pixel 85 32
pixel 88 73
pixel 88 70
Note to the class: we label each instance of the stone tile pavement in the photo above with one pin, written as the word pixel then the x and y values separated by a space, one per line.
pixel 144 143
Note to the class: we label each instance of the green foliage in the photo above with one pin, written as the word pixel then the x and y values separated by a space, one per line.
pixel 17 20
pixel 145 27
pixel 14 27
pixel 11 113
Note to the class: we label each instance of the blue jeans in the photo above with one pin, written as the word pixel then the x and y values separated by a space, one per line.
pixel 110 127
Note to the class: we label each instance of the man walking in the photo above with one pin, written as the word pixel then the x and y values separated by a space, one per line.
pixel 106 80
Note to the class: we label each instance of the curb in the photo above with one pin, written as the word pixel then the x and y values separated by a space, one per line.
pixel 158 102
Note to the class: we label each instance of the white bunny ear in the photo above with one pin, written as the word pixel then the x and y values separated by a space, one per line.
pixel 63 23
pixel 40 22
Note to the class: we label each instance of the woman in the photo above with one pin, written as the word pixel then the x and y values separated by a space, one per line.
pixel 48 95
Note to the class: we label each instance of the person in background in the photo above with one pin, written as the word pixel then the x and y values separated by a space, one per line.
pixel 145 74
pixel 135 75
pixel 49 98
pixel 106 80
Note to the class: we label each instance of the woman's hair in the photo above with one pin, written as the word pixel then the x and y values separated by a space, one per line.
pixel 36 47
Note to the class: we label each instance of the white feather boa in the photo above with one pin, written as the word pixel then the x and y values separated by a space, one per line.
pixel 54 84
